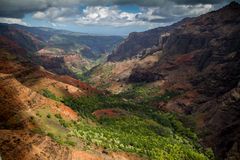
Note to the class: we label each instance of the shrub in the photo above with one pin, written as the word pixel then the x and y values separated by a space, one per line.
pixel 58 116
pixel 48 116
pixel 70 143
pixel 49 94
pixel 63 123
pixel 38 114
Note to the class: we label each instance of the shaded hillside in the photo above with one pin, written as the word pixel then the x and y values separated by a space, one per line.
pixel 198 57
pixel 138 44
pixel 135 44
pixel 22 38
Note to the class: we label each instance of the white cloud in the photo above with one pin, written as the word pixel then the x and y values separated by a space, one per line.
pixel 97 15
pixel 39 15
pixel 113 16
pixel 172 13
pixel 148 14
pixel 54 12
pixel 106 16
pixel 13 21
pixel 19 8
pixel 193 10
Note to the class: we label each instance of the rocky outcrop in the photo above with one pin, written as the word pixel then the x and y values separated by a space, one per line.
pixel 215 30
pixel 135 43
pixel 138 44
pixel 221 124
pixel 55 64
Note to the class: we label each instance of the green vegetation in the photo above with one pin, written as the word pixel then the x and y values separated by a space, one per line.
pixel 48 116
pixel 143 129
pixel 82 77
pixel 140 94
pixel 104 71
pixel 52 125
pixel 137 135
pixel 49 94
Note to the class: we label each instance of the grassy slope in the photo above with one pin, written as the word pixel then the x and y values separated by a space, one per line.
pixel 141 129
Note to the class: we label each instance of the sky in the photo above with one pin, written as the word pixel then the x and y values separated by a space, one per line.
pixel 103 17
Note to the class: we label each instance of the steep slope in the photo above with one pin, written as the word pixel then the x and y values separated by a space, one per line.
pixel 138 44
pixel 198 57
pixel 114 76
pixel 24 39
pixel 57 61
pixel 28 126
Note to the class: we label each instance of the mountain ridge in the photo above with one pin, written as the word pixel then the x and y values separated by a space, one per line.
pixel 126 51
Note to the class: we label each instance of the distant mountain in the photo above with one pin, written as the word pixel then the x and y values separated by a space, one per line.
pixel 199 57
pixel 89 46
pixel 55 49
pixel 23 39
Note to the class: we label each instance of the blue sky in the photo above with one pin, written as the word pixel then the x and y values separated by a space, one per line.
pixel 103 17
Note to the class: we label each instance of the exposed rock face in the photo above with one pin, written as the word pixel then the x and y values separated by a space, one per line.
pixel 204 36
pixel 135 43
pixel 199 55
pixel 141 43
pixel 222 124
pixel 218 29
pixel 55 64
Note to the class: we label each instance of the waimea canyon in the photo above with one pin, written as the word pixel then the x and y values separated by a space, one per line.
pixel 167 93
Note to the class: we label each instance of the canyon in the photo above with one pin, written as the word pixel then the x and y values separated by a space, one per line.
pixel 167 93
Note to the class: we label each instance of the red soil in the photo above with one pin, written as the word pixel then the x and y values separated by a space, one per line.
pixel 65 112
pixel 108 113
